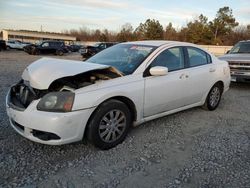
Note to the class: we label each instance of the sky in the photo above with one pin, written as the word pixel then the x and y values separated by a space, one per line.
pixel 59 15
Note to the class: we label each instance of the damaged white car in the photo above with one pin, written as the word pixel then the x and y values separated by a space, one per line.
pixel 63 101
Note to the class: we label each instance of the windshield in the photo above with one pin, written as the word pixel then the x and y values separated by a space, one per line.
pixel 124 57
pixel 241 47
pixel 39 42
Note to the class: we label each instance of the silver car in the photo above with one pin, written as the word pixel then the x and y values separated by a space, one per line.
pixel 239 61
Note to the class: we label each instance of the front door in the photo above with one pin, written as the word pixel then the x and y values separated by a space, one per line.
pixel 165 93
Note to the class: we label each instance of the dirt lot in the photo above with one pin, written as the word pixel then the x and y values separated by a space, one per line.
pixel 195 148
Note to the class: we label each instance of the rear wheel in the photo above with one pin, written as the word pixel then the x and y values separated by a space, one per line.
pixel 214 97
pixel 109 125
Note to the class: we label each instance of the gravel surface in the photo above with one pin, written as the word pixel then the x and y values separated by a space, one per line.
pixel 194 148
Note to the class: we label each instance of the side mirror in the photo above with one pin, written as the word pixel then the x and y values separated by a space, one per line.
pixel 158 71
pixel 228 52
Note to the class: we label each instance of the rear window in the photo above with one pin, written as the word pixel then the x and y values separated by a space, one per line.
pixel 198 57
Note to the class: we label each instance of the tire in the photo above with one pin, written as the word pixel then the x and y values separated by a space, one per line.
pixel 103 130
pixel 35 51
pixel 59 52
pixel 214 97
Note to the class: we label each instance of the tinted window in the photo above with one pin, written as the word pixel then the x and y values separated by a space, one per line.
pixel 56 44
pixel 197 57
pixel 102 46
pixel 172 58
pixel 46 44
pixel 241 47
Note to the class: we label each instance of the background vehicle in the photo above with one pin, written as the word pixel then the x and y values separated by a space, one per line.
pixel 89 51
pixel 3 45
pixel 75 47
pixel 15 44
pixel 239 61
pixel 59 101
pixel 46 47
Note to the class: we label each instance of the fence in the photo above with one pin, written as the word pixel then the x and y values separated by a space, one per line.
pixel 216 50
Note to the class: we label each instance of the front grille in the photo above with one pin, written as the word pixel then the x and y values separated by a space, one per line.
pixel 243 66
pixel 22 95
pixel 240 63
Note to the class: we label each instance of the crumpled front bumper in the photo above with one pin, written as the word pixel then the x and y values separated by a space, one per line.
pixel 62 128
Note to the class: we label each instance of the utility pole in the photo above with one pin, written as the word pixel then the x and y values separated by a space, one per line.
pixel 41 28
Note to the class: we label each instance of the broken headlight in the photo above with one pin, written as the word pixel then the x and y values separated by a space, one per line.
pixel 57 102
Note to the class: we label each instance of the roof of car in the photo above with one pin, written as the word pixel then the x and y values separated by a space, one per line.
pixel 245 41
pixel 158 43
pixel 53 41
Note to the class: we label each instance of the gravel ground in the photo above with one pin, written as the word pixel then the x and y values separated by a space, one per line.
pixel 194 148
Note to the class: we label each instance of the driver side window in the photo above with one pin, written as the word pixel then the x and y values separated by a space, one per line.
pixel 172 58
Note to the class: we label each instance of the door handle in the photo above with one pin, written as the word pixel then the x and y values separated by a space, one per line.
pixel 212 69
pixel 182 76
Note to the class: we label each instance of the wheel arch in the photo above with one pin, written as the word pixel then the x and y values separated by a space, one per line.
pixel 221 84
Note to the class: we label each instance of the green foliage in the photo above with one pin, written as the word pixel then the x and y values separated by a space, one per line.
pixel 222 25
pixel 170 33
pixel 150 30
pixel 126 33
pixel 198 31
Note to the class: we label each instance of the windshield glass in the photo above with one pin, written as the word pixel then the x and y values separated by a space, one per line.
pixel 241 47
pixel 39 42
pixel 124 57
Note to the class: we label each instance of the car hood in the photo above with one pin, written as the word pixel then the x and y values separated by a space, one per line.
pixel 44 71
pixel 235 57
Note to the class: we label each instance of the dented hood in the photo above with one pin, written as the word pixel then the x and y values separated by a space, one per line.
pixel 43 72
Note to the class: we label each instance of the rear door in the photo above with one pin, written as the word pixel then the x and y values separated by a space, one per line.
pixel 200 72
pixel 44 48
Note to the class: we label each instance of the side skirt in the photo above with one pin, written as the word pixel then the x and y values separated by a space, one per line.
pixel 167 113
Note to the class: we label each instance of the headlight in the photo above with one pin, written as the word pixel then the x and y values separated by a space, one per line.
pixel 57 102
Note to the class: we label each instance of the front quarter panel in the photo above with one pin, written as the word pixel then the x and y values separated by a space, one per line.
pixel 131 86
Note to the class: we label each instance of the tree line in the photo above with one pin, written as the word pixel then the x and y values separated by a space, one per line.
pixel 222 30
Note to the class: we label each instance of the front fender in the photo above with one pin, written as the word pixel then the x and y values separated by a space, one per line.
pixel 133 91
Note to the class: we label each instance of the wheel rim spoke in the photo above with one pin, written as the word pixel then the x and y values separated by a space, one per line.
pixel 121 125
pixel 108 136
pixel 118 130
pixel 111 114
pixel 215 96
pixel 113 136
pixel 120 119
pixel 117 115
pixel 104 133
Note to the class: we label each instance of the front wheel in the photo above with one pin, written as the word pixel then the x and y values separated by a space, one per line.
pixel 214 97
pixel 109 125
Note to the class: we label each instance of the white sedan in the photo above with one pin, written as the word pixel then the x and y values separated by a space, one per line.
pixel 62 101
